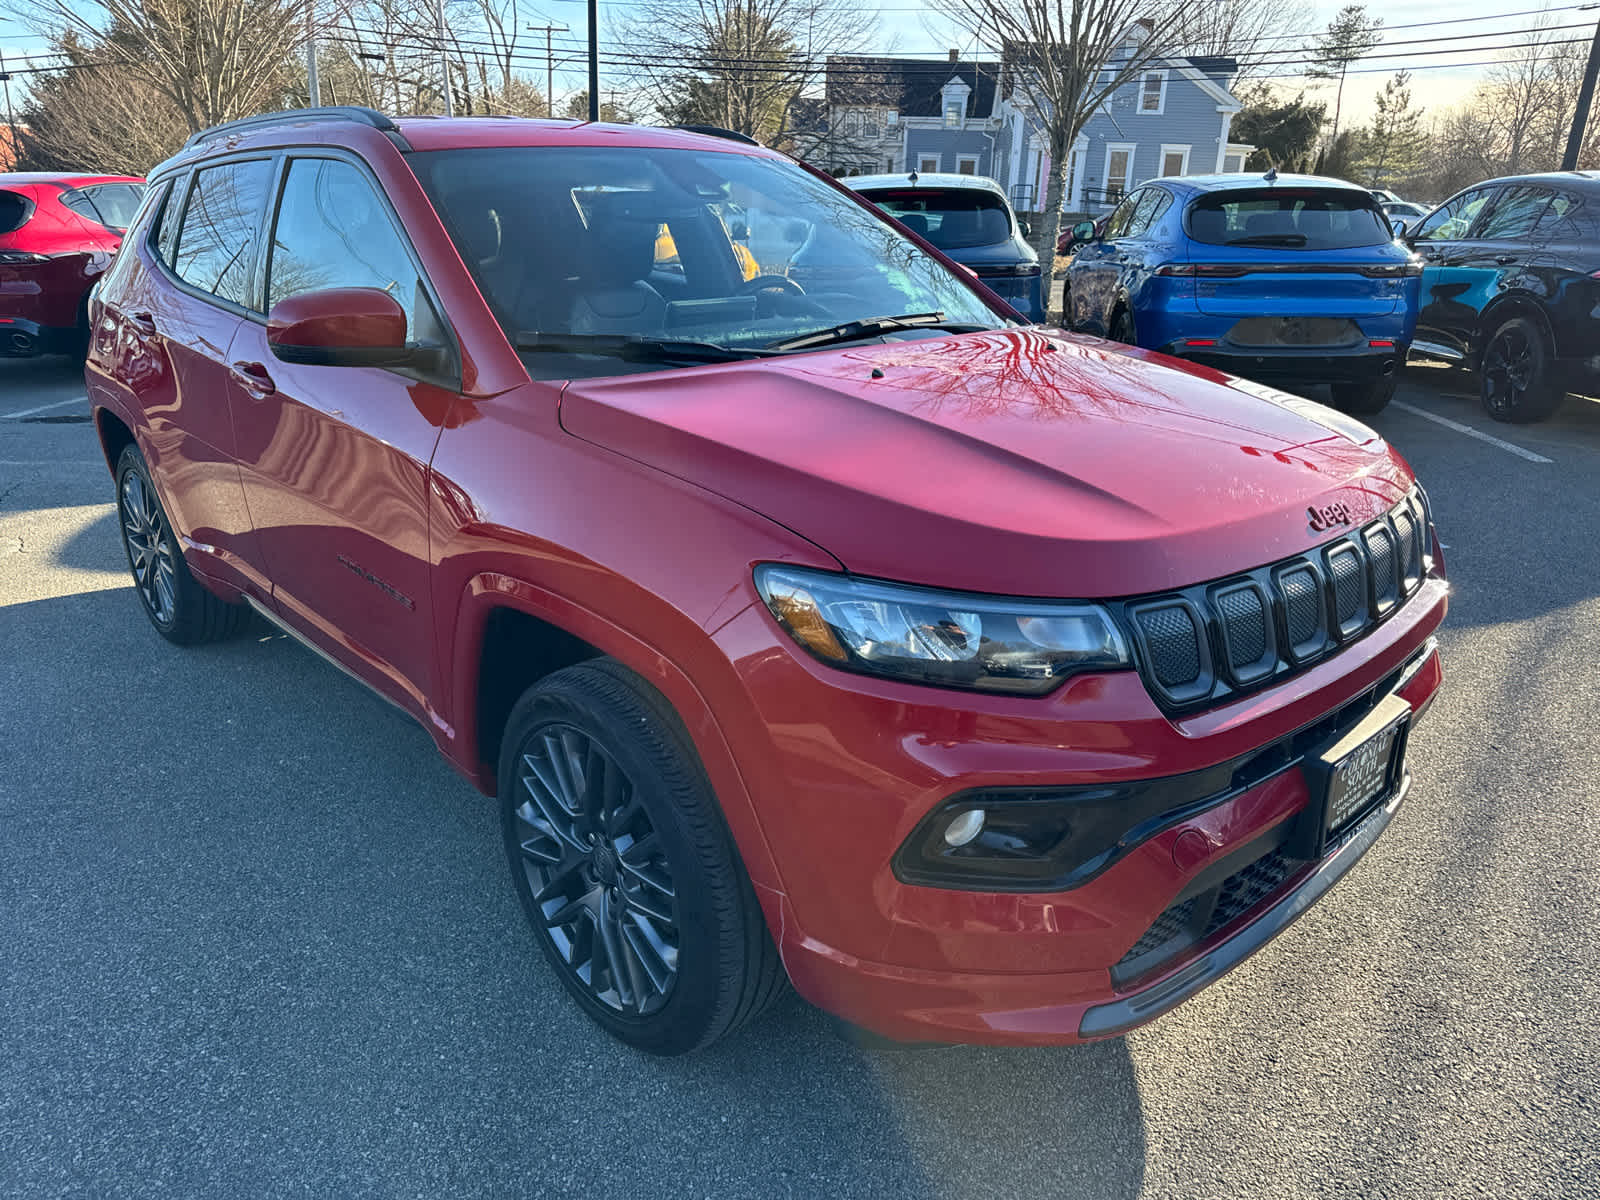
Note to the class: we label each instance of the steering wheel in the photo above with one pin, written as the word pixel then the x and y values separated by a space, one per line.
pixel 771 283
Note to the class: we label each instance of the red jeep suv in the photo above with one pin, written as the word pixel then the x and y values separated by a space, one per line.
pixel 988 683
pixel 58 234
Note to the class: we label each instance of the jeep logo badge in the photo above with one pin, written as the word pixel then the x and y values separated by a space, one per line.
pixel 1328 515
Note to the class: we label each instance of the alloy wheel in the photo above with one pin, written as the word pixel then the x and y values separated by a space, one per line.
pixel 1508 369
pixel 150 550
pixel 596 870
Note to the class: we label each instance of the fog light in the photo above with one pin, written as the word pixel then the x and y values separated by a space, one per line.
pixel 964 828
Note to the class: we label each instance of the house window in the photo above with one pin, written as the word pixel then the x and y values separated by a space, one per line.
pixel 1119 164
pixel 927 166
pixel 1153 92
pixel 952 116
pixel 966 164
pixel 1233 163
pixel 1174 160
pixel 888 167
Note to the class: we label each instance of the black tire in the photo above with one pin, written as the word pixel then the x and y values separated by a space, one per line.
pixel 641 816
pixel 1366 397
pixel 1122 328
pixel 1517 377
pixel 180 608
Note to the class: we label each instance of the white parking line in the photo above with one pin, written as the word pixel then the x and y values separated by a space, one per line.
pixel 1471 432
pixel 28 412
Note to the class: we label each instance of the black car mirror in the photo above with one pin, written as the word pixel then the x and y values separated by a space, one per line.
pixel 1083 231
pixel 1024 228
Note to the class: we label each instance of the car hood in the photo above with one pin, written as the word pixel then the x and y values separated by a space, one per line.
pixel 1021 462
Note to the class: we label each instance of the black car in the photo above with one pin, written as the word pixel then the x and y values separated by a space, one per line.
pixel 1509 288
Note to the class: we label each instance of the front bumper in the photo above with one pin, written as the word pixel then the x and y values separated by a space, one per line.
pixel 843 768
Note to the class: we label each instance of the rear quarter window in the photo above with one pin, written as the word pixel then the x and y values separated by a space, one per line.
pixel 1288 219
pixel 15 209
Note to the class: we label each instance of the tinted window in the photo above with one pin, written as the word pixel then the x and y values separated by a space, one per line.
pixel 216 246
pixel 1121 218
pixel 1514 214
pixel 1289 218
pixel 950 218
pixel 1452 219
pixel 333 231
pixel 1559 222
pixel 164 229
pixel 1153 202
pixel 110 204
pixel 15 209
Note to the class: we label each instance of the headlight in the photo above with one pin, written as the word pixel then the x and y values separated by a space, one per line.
pixel 951 639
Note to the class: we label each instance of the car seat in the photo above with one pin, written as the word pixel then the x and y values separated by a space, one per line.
pixel 615 293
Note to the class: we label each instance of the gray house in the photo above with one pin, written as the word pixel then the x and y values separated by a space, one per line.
pixel 970 118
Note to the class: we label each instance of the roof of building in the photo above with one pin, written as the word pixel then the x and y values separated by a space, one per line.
pixel 910 86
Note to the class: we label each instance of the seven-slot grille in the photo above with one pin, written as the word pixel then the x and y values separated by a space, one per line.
pixel 1208 642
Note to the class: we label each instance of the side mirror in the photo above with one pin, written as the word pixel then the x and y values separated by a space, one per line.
pixel 1024 228
pixel 1083 231
pixel 344 327
pixel 1400 228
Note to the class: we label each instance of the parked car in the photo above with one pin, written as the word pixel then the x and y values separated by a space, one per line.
pixel 58 234
pixel 1510 288
pixel 1403 210
pixel 969 218
pixel 994 685
pixel 1383 196
pixel 1072 234
pixel 1291 277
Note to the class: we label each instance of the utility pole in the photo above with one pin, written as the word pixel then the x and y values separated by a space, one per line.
pixel 312 85
pixel 13 147
pixel 549 63
pixel 444 61
pixel 1580 115
pixel 594 60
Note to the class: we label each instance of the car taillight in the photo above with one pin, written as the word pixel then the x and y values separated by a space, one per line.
pixel 1394 270
pixel 1009 270
pixel 1208 270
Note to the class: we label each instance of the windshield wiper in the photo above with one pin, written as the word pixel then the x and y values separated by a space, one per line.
pixel 870 327
pixel 633 347
pixel 1269 239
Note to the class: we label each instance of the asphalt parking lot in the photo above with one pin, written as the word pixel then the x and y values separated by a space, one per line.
pixel 257 939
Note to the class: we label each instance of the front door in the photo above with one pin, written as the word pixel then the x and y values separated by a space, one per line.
pixel 1450 300
pixel 1096 265
pixel 335 459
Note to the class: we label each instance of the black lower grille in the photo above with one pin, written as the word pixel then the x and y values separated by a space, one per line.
pixel 1242 892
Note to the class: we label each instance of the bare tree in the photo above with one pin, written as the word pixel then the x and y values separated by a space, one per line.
pixel 1064 59
pixel 1251 32
pixel 214 60
pixel 1350 37
pixel 740 64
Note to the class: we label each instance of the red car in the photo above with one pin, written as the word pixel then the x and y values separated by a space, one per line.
pixel 58 234
pixel 991 684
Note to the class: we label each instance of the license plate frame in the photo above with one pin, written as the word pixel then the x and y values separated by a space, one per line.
pixel 1368 760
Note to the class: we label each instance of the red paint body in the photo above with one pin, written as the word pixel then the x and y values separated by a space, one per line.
pixel 49 263
pixel 387 519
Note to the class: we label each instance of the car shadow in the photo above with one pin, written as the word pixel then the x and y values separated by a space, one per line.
pixel 261 938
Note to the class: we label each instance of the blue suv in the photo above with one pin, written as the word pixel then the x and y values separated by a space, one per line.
pixel 1292 279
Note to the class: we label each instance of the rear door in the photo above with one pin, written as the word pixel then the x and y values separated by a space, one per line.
pixel 335 459
pixel 1450 302
pixel 173 327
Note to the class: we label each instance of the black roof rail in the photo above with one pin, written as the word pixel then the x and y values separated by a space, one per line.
pixel 294 116
pixel 718 131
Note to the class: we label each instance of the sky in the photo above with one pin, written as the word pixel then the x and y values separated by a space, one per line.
pixel 1448 42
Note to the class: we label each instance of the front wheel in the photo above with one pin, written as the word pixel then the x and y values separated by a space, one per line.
pixel 1366 397
pixel 624 867
pixel 1517 379
pixel 181 609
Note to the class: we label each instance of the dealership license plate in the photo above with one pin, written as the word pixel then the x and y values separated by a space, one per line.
pixel 1364 776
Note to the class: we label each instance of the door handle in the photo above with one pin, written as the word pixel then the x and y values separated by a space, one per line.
pixel 253 378
pixel 1505 260
pixel 143 322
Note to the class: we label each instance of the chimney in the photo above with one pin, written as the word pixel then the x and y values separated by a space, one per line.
pixel 955 56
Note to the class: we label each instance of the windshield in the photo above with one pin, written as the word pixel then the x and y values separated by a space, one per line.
pixel 1289 218
pixel 677 246
pixel 950 218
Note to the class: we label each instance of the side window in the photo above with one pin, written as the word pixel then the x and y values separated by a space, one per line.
pixel 1152 203
pixel 333 231
pixel 164 229
pixel 217 242
pixel 1122 219
pixel 1559 222
pixel 1450 221
pixel 1515 215
pixel 110 204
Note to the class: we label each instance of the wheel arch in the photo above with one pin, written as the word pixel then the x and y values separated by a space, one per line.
pixel 502 620
pixel 114 434
pixel 1500 310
